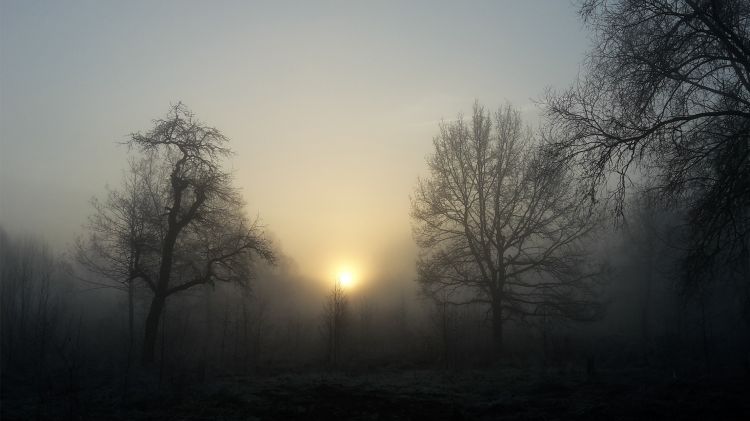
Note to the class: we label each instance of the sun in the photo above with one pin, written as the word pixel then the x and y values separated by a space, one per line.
pixel 346 279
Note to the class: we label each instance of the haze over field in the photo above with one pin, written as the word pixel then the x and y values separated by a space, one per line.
pixel 398 210
pixel 330 107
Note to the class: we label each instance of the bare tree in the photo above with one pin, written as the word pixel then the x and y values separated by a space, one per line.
pixel 666 94
pixel 123 233
pixel 333 328
pixel 499 223
pixel 181 226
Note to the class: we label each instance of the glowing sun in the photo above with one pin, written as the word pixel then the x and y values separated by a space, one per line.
pixel 346 279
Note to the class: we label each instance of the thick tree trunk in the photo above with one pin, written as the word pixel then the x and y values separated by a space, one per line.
pixel 152 328
pixel 160 295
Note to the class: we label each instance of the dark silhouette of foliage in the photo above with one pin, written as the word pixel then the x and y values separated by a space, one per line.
pixel 178 222
pixel 666 94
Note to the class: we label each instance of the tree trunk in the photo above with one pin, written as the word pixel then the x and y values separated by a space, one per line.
pixel 160 294
pixel 152 327
pixel 131 319
pixel 646 307
pixel 497 327
pixel 545 346
pixel 131 337
pixel 704 331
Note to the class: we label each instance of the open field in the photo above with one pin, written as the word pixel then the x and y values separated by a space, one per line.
pixel 506 394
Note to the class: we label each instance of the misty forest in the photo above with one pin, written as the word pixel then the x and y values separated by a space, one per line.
pixel 543 235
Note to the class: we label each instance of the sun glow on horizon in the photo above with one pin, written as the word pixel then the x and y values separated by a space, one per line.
pixel 346 279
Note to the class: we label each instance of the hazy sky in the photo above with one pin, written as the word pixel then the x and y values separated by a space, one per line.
pixel 330 106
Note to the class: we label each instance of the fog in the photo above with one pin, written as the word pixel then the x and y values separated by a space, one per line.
pixel 342 90
pixel 345 210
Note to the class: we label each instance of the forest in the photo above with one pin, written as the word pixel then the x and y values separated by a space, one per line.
pixel 594 263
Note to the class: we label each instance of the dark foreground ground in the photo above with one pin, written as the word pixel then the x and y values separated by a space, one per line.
pixel 505 394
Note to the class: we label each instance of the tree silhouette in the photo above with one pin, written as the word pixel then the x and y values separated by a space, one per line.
pixel 334 323
pixel 666 94
pixel 178 222
pixel 499 223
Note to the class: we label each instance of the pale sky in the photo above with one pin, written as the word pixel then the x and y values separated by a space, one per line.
pixel 330 106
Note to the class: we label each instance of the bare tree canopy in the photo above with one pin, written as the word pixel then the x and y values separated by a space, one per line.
pixel 122 230
pixel 666 93
pixel 499 223
pixel 177 222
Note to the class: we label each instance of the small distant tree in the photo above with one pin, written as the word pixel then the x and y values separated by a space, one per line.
pixel 444 317
pixel 177 223
pixel 500 223
pixel 33 307
pixel 26 269
pixel 334 325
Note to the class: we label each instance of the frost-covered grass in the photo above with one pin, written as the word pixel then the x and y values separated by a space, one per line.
pixel 501 393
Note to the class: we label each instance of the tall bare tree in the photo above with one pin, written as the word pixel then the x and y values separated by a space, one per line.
pixel 499 223
pixel 178 222
pixel 666 93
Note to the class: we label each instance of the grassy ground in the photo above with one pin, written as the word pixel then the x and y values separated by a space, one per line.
pixel 506 394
